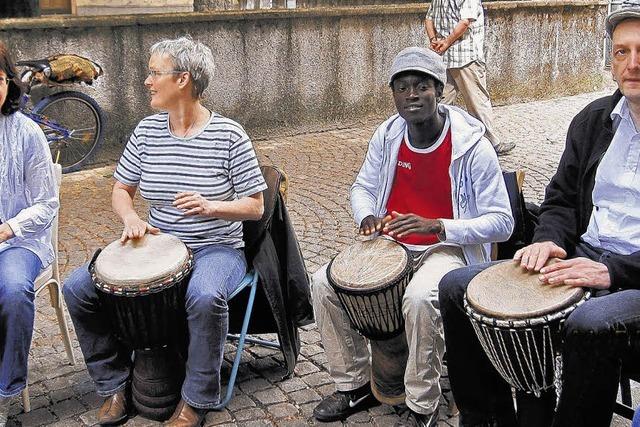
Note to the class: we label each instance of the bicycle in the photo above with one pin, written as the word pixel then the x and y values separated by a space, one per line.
pixel 72 121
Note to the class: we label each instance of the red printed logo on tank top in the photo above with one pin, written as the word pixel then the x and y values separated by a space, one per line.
pixel 422 186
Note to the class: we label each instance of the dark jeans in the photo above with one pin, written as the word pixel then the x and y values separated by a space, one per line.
pixel 598 336
pixel 19 267
pixel 216 274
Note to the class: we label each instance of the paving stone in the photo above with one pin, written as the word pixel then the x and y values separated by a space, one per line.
pixel 359 417
pixel 257 423
pixel 66 408
pixel 291 423
pixel 318 378
pixel 292 384
pixel 282 410
pixel 249 414
pixel 385 421
pixel 267 397
pixel 304 368
pixel 250 387
pixel 37 417
pixel 240 402
pixel 90 418
pixel 218 417
pixel 304 396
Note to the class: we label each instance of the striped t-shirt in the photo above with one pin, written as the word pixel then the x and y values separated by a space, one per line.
pixel 219 163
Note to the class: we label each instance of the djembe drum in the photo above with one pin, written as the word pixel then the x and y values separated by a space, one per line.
pixel 518 320
pixel 142 286
pixel 369 279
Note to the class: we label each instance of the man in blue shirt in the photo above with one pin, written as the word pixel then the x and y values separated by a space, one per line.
pixel 590 219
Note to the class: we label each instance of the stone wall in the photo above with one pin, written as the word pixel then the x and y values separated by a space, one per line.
pixel 305 67
pixel 119 7
pixel 210 5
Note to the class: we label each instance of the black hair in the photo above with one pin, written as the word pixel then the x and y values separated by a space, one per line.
pixel 15 89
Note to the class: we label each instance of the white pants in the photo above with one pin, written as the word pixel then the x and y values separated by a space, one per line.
pixel 347 351
pixel 471 82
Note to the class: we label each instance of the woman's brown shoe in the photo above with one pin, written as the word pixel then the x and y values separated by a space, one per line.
pixel 186 416
pixel 113 410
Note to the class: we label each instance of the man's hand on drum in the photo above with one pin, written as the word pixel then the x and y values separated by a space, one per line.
pixel 401 225
pixel 535 256
pixel 135 228
pixel 581 272
pixel 192 203
pixel 372 224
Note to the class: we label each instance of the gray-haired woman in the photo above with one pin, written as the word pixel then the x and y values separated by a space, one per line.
pixel 199 172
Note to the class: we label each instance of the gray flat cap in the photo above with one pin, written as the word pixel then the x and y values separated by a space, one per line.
pixel 628 9
pixel 419 59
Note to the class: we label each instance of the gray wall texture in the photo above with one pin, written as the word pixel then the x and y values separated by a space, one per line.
pixel 302 67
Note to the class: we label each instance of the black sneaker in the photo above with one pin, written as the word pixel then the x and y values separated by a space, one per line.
pixel 341 404
pixel 408 418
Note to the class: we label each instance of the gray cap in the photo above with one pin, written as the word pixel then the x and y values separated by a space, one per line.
pixel 628 9
pixel 419 59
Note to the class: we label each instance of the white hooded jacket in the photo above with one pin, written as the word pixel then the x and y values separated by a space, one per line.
pixel 481 209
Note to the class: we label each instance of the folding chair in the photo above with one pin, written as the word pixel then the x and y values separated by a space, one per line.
pixel 253 231
pixel 49 278
pixel 625 407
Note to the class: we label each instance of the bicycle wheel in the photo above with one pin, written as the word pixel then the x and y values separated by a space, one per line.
pixel 74 125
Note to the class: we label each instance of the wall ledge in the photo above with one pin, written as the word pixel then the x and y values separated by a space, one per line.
pixel 68 21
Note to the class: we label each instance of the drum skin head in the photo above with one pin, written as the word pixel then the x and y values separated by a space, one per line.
pixel 369 264
pixel 141 261
pixel 506 291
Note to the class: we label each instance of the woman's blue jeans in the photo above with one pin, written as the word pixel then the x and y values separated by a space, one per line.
pixel 19 268
pixel 217 272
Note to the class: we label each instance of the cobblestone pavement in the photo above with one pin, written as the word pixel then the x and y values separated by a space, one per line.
pixel 321 166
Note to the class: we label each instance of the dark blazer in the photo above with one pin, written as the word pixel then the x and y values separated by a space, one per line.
pixel 283 300
pixel 566 210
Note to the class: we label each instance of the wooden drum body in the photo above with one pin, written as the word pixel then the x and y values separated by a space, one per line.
pixel 518 320
pixel 142 287
pixel 370 279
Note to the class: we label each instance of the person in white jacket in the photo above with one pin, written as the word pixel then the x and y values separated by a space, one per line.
pixel 431 181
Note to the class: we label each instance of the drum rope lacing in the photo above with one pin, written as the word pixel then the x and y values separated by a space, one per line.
pixel 502 339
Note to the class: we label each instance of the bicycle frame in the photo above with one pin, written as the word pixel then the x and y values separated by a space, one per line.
pixel 61 132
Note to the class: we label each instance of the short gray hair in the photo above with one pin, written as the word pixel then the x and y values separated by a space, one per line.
pixel 191 56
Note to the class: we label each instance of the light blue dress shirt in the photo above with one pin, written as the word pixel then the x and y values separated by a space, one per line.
pixel 28 190
pixel 615 220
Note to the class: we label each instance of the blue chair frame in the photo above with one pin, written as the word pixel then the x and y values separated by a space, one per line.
pixel 249 280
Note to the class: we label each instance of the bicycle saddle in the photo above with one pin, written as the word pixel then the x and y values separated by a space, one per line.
pixel 36 64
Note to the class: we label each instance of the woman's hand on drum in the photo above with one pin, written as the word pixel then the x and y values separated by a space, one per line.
pixel 192 203
pixel 372 224
pixel 582 272
pixel 135 228
pixel 402 225
pixel 536 255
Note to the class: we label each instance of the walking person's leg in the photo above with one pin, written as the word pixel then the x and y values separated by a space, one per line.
pixel 472 83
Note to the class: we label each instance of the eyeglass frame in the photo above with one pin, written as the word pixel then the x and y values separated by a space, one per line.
pixel 153 74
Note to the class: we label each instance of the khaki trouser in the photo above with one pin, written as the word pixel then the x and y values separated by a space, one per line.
pixel 471 82
pixel 347 351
